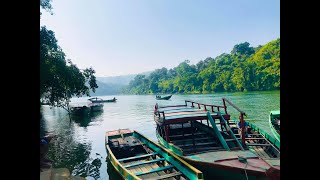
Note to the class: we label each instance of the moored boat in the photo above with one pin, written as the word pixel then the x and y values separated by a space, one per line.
pixel 100 100
pixel 80 110
pixel 158 97
pixel 204 136
pixel 94 107
pixel 134 156
pixel 274 122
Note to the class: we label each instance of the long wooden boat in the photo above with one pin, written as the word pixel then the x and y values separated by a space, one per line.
pixel 100 100
pixel 94 107
pixel 158 97
pixel 134 156
pixel 204 136
pixel 274 122
pixel 80 110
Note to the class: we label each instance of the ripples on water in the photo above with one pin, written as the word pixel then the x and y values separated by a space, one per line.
pixel 80 143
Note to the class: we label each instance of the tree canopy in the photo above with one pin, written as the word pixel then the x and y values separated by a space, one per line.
pixel 60 79
pixel 244 69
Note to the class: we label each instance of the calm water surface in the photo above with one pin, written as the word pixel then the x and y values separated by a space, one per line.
pixel 80 143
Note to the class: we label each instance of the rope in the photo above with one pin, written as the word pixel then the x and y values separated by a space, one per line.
pixel 246 170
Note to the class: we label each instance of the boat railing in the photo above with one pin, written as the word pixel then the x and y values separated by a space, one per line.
pixel 230 130
pixel 205 106
pixel 241 118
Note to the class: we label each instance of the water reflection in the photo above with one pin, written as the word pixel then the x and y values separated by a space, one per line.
pixel 84 121
pixel 68 153
pixel 80 143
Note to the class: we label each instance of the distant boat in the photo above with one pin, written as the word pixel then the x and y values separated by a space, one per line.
pixel 99 100
pixel 163 98
pixel 136 157
pixel 274 122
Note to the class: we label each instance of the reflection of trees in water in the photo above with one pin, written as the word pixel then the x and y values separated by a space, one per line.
pixel 67 153
pixel 112 172
pixel 84 121
pixel 93 168
pixel 42 125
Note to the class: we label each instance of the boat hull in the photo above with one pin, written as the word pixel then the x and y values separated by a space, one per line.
pixel 273 129
pixel 213 170
pixel 187 170
pixel 96 108
pixel 80 111
pixel 164 98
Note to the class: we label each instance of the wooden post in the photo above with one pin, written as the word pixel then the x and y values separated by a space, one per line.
pixel 225 107
pixel 199 106
pixel 193 140
pixel 205 107
pixel 182 131
pixel 166 133
pixel 212 109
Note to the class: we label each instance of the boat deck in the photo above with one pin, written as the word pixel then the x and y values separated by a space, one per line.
pixel 221 155
pixel 232 159
pixel 174 114
pixel 140 160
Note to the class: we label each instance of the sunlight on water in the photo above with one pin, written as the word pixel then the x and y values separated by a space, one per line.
pixel 80 143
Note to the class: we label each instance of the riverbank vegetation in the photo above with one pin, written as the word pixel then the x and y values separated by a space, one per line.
pixel 60 79
pixel 244 69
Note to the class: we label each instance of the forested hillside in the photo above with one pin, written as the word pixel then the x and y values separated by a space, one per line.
pixel 244 69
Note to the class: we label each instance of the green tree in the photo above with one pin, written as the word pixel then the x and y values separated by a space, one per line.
pixel 244 69
pixel 60 79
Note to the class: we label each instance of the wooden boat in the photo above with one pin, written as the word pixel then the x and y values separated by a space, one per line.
pixel 94 107
pixel 163 98
pixel 274 122
pixel 100 100
pixel 204 136
pixel 110 100
pixel 80 110
pixel 136 157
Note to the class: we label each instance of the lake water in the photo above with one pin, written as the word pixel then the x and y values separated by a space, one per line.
pixel 80 143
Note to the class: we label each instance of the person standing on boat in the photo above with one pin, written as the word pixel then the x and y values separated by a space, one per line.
pixel 246 126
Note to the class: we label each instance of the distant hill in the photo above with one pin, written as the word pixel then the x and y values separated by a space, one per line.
pixel 113 85
pixel 120 80
pixel 107 89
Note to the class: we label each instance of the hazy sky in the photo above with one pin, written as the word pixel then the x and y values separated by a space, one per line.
pixel 118 37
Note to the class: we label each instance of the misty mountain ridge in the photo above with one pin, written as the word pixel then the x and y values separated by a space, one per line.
pixel 120 80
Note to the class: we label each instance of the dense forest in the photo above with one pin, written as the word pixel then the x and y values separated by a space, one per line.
pixel 244 69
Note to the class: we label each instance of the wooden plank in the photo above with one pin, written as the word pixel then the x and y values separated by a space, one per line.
pixel 203 148
pixel 253 144
pixel 250 135
pixel 197 144
pixel 180 135
pixel 147 168
pixel 155 166
pixel 184 113
pixel 261 152
pixel 144 162
pixel 196 139
pixel 154 170
pixel 166 176
pixel 136 157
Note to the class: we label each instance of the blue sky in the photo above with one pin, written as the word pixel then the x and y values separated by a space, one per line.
pixel 118 37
